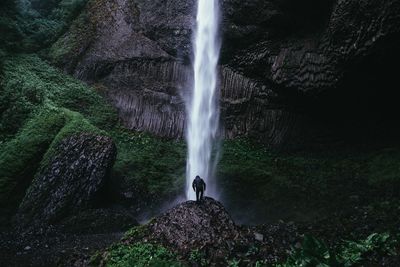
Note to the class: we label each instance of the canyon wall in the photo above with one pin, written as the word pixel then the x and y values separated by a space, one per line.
pixel 282 62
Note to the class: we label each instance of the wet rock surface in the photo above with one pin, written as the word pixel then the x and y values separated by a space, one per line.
pixel 72 181
pixel 283 62
pixel 195 224
pixel 208 228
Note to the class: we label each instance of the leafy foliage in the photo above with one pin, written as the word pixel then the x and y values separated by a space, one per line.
pixel 198 258
pixel 352 252
pixel 31 25
pixel 139 255
pixel 136 232
pixel 314 252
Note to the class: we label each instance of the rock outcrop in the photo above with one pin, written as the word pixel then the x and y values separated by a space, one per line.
pixel 281 61
pixel 73 180
pixel 195 225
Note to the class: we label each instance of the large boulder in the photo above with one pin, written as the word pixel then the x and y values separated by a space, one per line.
pixel 195 225
pixel 73 180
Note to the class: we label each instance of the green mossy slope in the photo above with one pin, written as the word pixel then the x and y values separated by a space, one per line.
pixel 39 107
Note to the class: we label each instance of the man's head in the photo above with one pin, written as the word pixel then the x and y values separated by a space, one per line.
pixel 197 177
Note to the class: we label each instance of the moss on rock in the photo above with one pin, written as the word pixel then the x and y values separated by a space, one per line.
pixel 20 157
pixel 40 107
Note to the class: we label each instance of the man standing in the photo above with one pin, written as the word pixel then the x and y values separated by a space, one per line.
pixel 199 186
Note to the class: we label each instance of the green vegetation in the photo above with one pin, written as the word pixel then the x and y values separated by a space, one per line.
pixel 136 233
pixel 140 254
pixel 33 147
pixel 154 166
pixel 39 107
pixel 29 83
pixel 21 156
pixel 314 252
pixel 383 167
pixel 198 258
pixel 134 250
pixel 80 34
pixel 301 185
pixel 32 25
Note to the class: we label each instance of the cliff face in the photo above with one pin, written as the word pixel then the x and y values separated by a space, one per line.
pixel 308 46
pixel 281 61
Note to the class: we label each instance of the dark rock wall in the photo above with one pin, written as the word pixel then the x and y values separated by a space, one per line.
pixel 308 57
pixel 149 95
pixel 279 60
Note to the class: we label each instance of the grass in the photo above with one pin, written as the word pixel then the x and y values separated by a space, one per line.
pixel 302 186
pixel 153 165
pixel 29 83
pixel 20 157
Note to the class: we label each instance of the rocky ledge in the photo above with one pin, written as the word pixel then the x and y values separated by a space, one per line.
pixel 195 224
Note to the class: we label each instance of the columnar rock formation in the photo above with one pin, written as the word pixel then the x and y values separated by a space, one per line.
pixel 278 59
pixel 73 180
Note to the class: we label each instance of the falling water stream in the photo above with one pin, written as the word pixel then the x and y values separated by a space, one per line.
pixel 203 108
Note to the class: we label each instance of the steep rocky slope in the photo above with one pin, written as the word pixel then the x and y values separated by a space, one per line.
pixel 283 63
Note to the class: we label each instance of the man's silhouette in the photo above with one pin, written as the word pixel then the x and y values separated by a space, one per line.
pixel 199 186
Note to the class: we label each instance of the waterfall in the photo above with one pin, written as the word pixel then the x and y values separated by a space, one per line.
pixel 203 108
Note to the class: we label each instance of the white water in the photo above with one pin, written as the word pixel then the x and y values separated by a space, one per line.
pixel 202 108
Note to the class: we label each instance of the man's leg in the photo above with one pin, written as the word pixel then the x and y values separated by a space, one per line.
pixel 201 194
pixel 197 195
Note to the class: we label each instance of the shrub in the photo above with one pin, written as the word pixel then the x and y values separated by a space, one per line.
pixel 314 252
pixel 140 255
